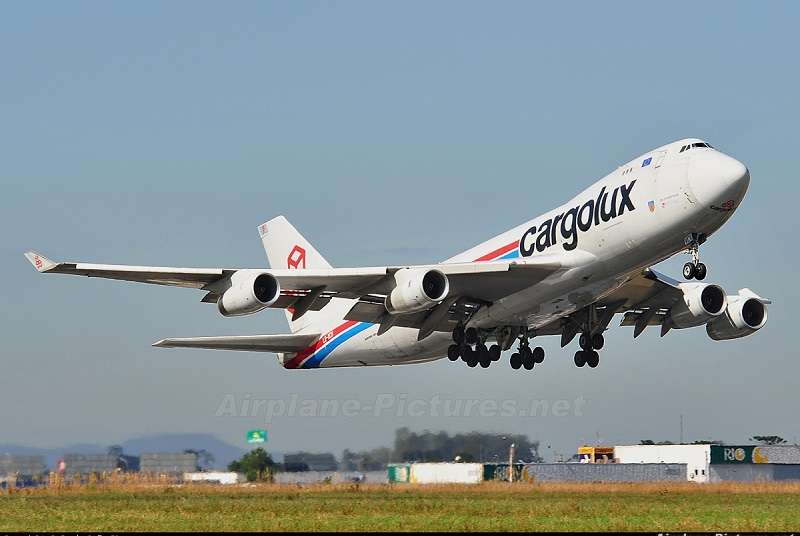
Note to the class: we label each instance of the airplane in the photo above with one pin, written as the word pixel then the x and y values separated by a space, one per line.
pixel 566 273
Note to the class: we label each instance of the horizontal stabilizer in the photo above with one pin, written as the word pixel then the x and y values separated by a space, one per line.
pixel 248 343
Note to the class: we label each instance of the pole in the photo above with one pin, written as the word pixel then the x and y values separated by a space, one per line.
pixel 511 463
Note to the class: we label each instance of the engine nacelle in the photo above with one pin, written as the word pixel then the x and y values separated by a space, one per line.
pixel 746 313
pixel 250 292
pixel 416 290
pixel 701 303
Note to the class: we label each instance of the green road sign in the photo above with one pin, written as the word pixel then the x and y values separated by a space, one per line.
pixel 256 436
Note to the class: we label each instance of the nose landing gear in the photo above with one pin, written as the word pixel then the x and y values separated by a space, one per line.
pixel 695 269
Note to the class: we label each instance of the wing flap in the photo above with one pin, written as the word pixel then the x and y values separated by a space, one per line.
pixel 246 343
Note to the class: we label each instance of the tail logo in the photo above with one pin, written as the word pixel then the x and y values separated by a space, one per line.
pixel 296 257
pixel 37 262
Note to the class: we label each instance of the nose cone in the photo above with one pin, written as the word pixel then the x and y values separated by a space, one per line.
pixel 717 180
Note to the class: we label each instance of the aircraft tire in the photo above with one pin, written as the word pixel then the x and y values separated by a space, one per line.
pixel 585 341
pixel 700 271
pixel 688 270
pixel 453 352
pixel 495 351
pixel 516 361
pixel 471 336
pixel 598 341
pixel 528 362
pixel 593 359
pixel 580 359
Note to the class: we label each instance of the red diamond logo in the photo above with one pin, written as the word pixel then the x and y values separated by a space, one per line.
pixel 296 257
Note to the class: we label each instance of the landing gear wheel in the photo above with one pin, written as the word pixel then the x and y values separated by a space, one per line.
pixel 458 334
pixel 593 359
pixel 471 336
pixel 700 271
pixel 688 270
pixel 472 363
pixel 585 341
pixel 495 351
pixel 466 354
pixel 482 354
pixel 598 341
pixel 580 358
pixel 538 354
pixel 527 358
pixel 453 352
pixel 516 361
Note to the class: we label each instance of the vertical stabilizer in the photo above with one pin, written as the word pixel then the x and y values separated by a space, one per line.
pixel 287 248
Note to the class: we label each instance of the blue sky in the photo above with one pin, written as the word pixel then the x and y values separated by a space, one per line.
pixel 164 133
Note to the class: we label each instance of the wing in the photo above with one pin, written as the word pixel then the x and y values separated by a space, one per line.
pixel 248 343
pixel 645 300
pixel 471 284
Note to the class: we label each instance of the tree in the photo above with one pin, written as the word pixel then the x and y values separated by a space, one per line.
pixel 430 446
pixel 115 450
pixel 367 460
pixel 768 439
pixel 204 458
pixel 256 465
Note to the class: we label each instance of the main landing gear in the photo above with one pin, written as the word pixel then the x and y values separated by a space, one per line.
pixel 588 355
pixel 524 356
pixel 695 269
pixel 471 347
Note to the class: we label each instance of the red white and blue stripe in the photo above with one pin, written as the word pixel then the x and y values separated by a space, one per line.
pixel 509 251
pixel 314 355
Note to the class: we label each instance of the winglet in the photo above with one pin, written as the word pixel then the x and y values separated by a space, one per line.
pixel 40 262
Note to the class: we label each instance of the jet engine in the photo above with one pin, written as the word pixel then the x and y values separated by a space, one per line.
pixel 746 314
pixel 250 292
pixel 701 303
pixel 416 290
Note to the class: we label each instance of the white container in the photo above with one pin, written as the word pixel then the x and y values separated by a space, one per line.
pixel 696 457
pixel 213 477
pixel 446 473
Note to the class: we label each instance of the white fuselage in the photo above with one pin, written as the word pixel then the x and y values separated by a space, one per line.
pixel 634 217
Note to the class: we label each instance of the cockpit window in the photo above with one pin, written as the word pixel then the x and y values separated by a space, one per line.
pixel 695 145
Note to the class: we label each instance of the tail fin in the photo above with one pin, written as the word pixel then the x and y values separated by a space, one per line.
pixel 286 248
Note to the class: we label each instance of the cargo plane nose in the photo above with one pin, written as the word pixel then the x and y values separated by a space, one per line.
pixel 718 180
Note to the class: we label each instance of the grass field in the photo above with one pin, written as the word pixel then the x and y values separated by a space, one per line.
pixel 488 506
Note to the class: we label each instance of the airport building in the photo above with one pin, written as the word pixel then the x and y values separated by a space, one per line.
pixel 168 463
pixel 719 463
pixel 626 463
pixel 18 469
